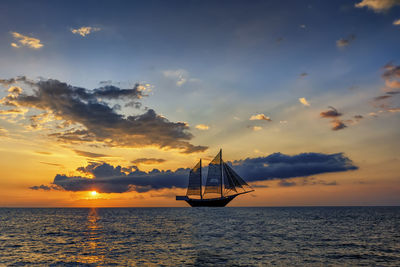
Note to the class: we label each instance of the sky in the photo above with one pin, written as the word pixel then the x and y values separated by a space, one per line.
pixel 124 97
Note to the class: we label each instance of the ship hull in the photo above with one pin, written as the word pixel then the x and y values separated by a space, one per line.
pixel 213 202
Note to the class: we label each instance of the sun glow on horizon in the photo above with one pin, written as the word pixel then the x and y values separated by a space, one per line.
pixel 93 193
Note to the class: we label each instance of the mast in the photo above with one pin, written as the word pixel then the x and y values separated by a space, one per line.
pixel 201 188
pixel 220 164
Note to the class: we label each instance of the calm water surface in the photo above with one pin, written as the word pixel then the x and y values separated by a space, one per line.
pixel 328 236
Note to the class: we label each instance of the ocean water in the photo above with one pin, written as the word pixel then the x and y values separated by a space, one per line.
pixel 309 236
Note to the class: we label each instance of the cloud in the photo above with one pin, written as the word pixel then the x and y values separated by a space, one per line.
pixel 382 97
pixel 45 187
pixel 277 166
pixel 391 76
pixel 260 117
pixel 52 164
pixel 256 128
pixel 393 110
pixel 202 127
pixel 358 117
pixel 396 22
pixel 90 154
pixel 281 166
pixel 86 30
pixel 43 152
pixel 394 84
pixel 304 74
pixel 345 41
pixel 93 118
pixel 306 182
pixel 304 101
pixel 332 113
pixel 180 76
pixel 284 183
pixel 373 114
pixel 338 125
pixel 3 132
pixel 12 111
pixel 148 161
pixel 27 41
pixel 378 5
pixel 391 71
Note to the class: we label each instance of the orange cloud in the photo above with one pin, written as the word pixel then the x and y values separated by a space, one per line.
pixel 260 117
pixel 27 41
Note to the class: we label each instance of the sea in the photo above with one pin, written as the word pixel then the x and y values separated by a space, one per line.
pixel 230 236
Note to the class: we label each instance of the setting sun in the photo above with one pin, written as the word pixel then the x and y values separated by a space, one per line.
pixel 93 193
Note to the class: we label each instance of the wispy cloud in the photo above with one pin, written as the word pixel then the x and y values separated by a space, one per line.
pixel 52 164
pixel 23 40
pixel 43 152
pixel 85 30
pixel 148 161
pixel 179 76
pixel 256 128
pixel 378 5
pixel 342 42
pixel 202 127
pixel 305 182
pixel 396 22
pixel 393 110
pixel 260 116
pixel 304 101
pixel 3 132
pixel 90 154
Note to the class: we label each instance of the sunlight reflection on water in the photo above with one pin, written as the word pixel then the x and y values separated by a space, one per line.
pixel 200 236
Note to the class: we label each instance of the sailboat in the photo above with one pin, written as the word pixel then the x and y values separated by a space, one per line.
pixel 223 183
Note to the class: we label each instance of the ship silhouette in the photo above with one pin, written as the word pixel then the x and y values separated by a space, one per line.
pixel 223 184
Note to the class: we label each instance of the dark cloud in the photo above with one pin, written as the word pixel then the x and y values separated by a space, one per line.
pixel 304 74
pixel 149 161
pixel 391 71
pixel 281 166
pixel 95 120
pixel 90 154
pixel 338 125
pixel 332 113
pixel 358 117
pixel 110 179
pixel 45 187
pixel 382 97
pixel 284 183
pixel 393 92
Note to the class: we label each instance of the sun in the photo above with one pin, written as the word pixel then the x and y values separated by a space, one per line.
pixel 93 193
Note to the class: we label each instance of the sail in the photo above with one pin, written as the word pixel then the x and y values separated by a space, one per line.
pixel 214 177
pixel 194 187
pixel 228 181
pixel 235 178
